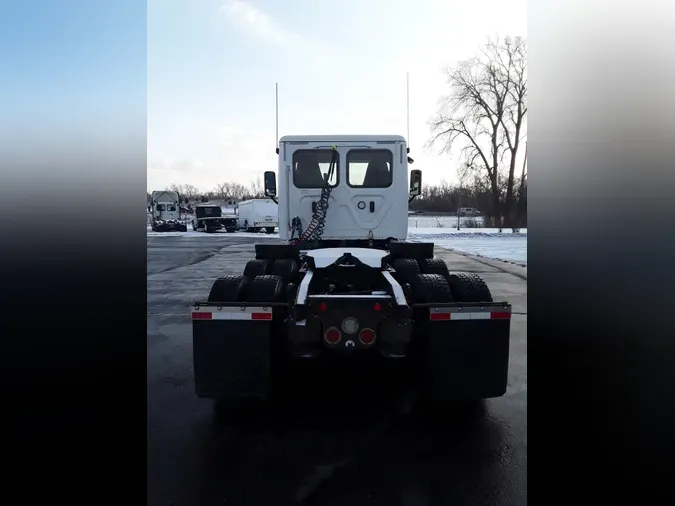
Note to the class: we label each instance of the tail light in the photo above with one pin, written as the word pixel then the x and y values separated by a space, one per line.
pixel 332 335
pixel 367 336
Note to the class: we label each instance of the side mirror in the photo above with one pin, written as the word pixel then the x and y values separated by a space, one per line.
pixel 270 184
pixel 415 183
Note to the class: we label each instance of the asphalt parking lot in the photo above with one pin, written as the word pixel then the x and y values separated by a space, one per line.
pixel 350 451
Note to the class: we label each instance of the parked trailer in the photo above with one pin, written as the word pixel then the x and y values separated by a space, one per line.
pixel 347 286
pixel 165 212
pixel 258 214
pixel 209 218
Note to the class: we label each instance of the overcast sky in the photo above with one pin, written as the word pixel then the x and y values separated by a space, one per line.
pixel 341 68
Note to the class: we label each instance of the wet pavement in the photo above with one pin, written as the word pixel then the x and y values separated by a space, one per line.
pixel 349 448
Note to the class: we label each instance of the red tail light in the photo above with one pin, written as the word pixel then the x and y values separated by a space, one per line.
pixel 367 336
pixel 332 335
pixel 377 306
pixel 322 306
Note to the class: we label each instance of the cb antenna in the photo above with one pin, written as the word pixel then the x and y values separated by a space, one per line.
pixel 276 112
pixel 407 104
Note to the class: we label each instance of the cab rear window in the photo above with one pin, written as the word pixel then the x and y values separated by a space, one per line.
pixel 310 167
pixel 369 168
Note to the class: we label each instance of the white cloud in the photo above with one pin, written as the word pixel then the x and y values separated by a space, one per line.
pixel 257 22
pixel 230 154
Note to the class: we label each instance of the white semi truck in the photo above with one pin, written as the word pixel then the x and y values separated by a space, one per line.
pixel 258 214
pixel 165 212
pixel 346 285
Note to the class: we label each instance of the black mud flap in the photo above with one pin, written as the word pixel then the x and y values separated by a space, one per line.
pixel 231 350
pixel 468 350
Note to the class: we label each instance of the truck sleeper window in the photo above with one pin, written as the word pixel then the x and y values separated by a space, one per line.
pixel 310 166
pixel 369 168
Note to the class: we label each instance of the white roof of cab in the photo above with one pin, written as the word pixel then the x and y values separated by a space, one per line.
pixel 342 138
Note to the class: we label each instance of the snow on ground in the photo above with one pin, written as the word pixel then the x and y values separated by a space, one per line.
pixel 507 245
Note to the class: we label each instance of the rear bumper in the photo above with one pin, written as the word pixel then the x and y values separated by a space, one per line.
pixel 464 349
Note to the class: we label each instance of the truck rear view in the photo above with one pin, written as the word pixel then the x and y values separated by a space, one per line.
pixel 348 286
pixel 165 212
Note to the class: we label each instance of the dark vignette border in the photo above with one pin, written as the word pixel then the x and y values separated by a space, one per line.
pixel 601 249
pixel 73 157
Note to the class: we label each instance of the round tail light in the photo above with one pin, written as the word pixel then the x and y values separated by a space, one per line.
pixel 367 336
pixel 332 335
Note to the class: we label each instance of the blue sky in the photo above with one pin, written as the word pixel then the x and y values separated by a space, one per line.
pixel 212 66
pixel 341 68
pixel 66 66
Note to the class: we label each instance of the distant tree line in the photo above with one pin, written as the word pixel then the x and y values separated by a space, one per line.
pixel 442 198
pixel 446 198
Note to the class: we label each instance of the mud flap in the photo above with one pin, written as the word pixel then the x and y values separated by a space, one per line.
pixel 231 350
pixel 468 352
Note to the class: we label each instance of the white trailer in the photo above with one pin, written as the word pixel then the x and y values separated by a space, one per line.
pixel 257 214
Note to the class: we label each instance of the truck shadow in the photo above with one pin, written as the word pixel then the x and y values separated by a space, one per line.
pixel 349 446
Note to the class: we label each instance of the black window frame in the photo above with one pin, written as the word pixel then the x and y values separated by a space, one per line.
pixel 313 151
pixel 371 151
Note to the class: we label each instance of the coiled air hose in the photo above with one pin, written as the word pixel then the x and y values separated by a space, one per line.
pixel 316 226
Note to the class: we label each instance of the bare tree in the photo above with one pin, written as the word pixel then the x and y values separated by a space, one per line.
pixel 185 190
pixel 256 190
pixel 229 190
pixel 482 118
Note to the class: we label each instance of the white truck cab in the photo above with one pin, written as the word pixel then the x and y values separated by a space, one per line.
pixel 369 188
pixel 165 205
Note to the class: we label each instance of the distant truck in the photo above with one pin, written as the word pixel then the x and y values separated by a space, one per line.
pixel 258 214
pixel 165 212
pixel 468 211
pixel 209 218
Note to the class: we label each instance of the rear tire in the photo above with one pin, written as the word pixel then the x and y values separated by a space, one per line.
pixel 256 267
pixel 228 289
pixel 286 268
pixel 430 288
pixel 469 288
pixel 406 269
pixel 269 230
pixel 266 288
pixel 435 266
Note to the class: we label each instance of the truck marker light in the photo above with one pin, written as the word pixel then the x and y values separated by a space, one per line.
pixel 377 306
pixel 500 316
pixel 322 306
pixel 261 316
pixel 201 316
pixel 439 316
